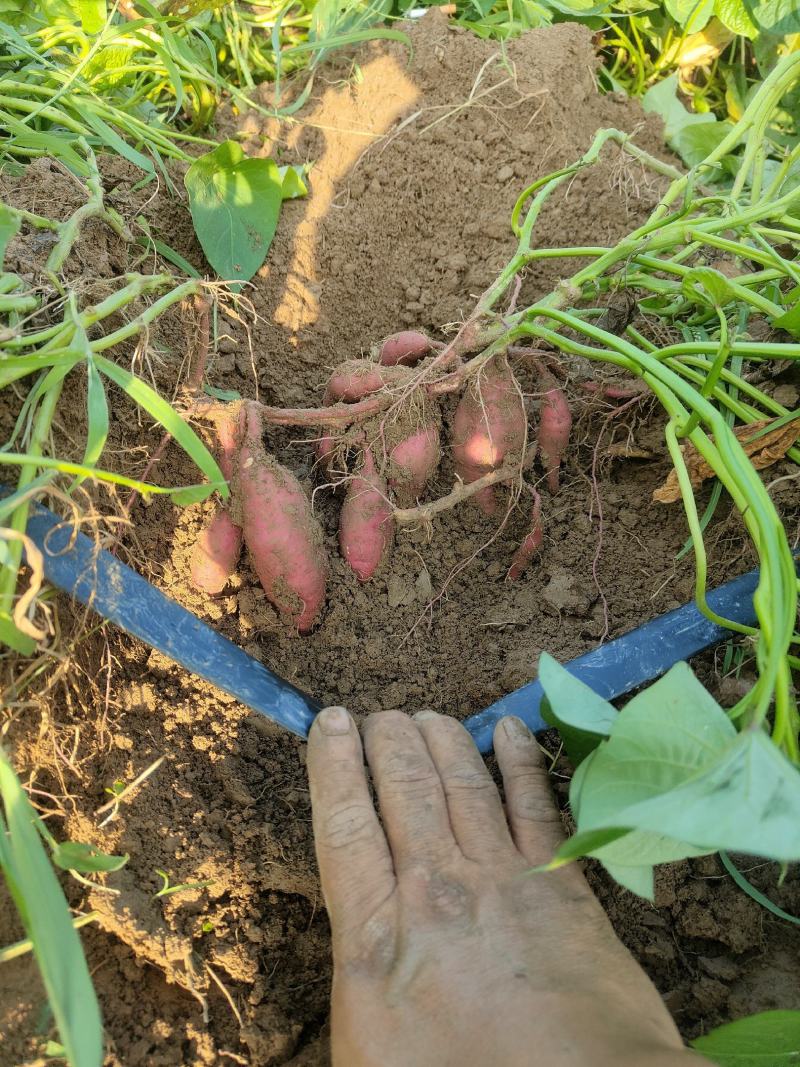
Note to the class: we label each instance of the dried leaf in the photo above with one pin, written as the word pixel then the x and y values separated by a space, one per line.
pixel 763 451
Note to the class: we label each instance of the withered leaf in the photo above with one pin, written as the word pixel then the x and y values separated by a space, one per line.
pixel 762 450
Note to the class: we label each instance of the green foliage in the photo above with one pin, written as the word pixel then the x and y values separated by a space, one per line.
pixel 235 204
pixel 769 1039
pixel 669 777
pixel 48 924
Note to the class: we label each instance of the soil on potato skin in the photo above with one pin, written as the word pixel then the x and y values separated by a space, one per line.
pixel 412 187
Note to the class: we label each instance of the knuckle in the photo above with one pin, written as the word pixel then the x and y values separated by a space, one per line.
pixel 466 778
pixel 407 769
pixel 347 825
pixel 532 803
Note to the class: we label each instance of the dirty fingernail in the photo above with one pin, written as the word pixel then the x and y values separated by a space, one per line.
pixel 425 715
pixel 334 721
pixel 515 729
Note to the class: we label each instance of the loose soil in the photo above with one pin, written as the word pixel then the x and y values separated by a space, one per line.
pixel 418 159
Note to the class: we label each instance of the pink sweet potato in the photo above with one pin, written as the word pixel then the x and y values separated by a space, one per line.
pixel 555 423
pixel 355 379
pixel 488 427
pixel 530 543
pixel 219 546
pixel 407 347
pixel 413 461
pixel 366 525
pixel 280 531
pixel 216 553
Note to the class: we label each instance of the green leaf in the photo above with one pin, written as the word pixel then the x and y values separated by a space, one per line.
pixel 691 15
pixel 9 227
pixel 662 99
pixel 96 413
pixel 292 181
pixel 667 734
pixel 698 140
pixel 92 14
pixel 222 394
pixel 75 856
pixel 747 801
pixel 789 321
pixel 734 15
pixel 780 17
pixel 709 285
pixel 582 717
pixel 640 880
pixel 769 1039
pixel 47 921
pixel 235 204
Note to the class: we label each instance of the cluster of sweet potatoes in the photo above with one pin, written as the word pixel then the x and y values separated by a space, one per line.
pixel 381 445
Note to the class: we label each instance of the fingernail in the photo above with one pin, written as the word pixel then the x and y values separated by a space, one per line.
pixel 515 729
pixel 424 715
pixel 334 721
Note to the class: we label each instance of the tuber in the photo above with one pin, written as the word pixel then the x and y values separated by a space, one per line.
pixel 555 423
pixel 357 378
pixel 489 425
pixel 413 461
pixel 366 523
pixel 407 348
pixel 216 553
pixel 531 542
pixel 219 546
pixel 280 531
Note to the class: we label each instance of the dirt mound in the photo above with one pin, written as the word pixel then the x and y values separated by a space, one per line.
pixel 418 159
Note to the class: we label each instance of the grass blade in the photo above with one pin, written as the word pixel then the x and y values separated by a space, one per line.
pixel 48 924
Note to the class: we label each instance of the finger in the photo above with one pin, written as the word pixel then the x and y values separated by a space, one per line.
pixel 473 803
pixel 355 864
pixel 532 813
pixel 409 789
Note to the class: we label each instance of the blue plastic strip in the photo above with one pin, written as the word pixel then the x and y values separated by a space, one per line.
pixel 96 578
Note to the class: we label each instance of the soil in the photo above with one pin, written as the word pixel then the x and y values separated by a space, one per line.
pixel 417 161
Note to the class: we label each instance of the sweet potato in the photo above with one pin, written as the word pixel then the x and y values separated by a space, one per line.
pixel 531 542
pixel 413 461
pixel 555 423
pixel 366 525
pixel 488 427
pixel 355 379
pixel 219 546
pixel 216 553
pixel 407 347
pixel 280 531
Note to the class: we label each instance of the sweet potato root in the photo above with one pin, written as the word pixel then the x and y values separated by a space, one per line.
pixel 531 542
pixel 357 378
pixel 413 461
pixel 219 546
pixel 280 531
pixel 555 423
pixel 407 348
pixel 216 553
pixel 488 426
pixel 366 524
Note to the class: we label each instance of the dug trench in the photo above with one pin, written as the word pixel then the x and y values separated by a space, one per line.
pixel 418 159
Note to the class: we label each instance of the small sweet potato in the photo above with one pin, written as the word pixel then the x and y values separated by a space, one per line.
pixel 280 531
pixel 366 525
pixel 530 543
pixel 216 553
pixel 219 546
pixel 555 423
pixel 413 461
pixel 356 378
pixel 407 348
pixel 488 427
